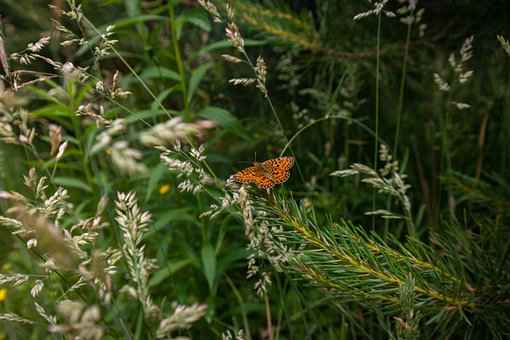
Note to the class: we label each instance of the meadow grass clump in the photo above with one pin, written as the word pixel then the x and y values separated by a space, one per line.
pixel 124 127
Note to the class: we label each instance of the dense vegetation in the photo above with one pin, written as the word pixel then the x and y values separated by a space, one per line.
pixel 122 123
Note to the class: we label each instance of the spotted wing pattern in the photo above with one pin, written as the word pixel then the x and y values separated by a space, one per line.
pixel 279 168
pixel 267 174
pixel 255 175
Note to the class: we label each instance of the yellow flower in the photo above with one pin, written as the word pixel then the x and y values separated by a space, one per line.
pixel 164 189
pixel 3 294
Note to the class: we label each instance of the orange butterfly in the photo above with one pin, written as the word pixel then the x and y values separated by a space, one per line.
pixel 266 174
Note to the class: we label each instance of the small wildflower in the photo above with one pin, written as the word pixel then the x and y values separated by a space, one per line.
pixel 3 294
pixel 165 188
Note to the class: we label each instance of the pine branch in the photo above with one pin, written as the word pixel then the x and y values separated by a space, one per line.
pixel 353 264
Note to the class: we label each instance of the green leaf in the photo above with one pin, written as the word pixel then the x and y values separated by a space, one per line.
pixel 196 78
pixel 132 7
pixel 209 264
pixel 159 73
pixel 53 111
pixel 156 175
pixel 45 94
pixel 71 182
pixel 232 259
pixel 198 18
pixel 174 215
pixel 84 92
pixel 162 96
pixel 218 115
pixel 169 270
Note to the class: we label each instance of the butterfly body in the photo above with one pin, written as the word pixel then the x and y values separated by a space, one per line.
pixel 267 174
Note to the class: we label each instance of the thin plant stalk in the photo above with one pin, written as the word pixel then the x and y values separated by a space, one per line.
pixel 268 318
pixel 402 89
pixel 399 115
pixel 178 59
pixel 377 99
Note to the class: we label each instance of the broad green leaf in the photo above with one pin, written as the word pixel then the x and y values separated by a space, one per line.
pixel 174 215
pixel 84 92
pixel 44 94
pixel 196 78
pixel 71 182
pixel 209 264
pixel 198 18
pixel 218 115
pixel 234 256
pixel 167 271
pixel 159 72
pixel 53 110
pixel 162 96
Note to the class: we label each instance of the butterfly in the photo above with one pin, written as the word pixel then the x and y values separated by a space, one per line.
pixel 266 174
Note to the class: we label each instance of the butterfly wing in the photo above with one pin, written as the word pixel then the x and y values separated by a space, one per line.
pixel 254 175
pixel 279 168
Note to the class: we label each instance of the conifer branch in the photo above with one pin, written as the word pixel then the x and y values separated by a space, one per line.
pixel 352 263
